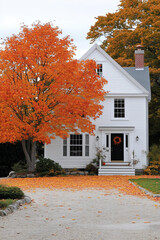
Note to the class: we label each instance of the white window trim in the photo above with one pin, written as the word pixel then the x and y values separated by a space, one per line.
pixel 112 110
pixel 83 147
pixel 108 149
pixel 100 63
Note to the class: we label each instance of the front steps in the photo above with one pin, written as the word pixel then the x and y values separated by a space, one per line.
pixel 119 168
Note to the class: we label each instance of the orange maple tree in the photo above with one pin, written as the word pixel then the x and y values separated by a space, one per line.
pixel 44 91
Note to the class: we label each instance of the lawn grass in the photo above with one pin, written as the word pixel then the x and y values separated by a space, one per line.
pixel 4 203
pixel 151 184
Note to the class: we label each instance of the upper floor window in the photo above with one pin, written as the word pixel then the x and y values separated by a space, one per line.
pixel 99 69
pixel 119 108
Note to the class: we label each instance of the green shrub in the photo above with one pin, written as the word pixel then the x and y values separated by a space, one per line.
pixel 20 166
pixel 154 161
pixel 10 192
pixel 99 155
pixel 6 202
pixel 46 166
pixel 92 170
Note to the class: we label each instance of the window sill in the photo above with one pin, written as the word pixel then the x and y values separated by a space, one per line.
pixel 69 157
pixel 119 119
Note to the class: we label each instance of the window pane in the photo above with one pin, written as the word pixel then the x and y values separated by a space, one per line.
pixel 65 147
pixel 86 151
pixel 76 145
pixel 119 108
pixel 65 141
pixel 126 141
pixel 99 69
pixel 107 142
pixel 75 150
pixel 64 151
pixel 87 139
pixel 76 139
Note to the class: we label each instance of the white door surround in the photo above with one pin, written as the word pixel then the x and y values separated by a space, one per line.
pixel 116 143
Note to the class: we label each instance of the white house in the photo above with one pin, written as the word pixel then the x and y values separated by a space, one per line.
pixel 122 130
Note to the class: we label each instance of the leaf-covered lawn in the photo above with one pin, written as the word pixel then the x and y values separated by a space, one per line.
pixel 152 185
pixel 121 183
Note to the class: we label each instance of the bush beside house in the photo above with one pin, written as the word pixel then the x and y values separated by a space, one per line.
pixel 154 161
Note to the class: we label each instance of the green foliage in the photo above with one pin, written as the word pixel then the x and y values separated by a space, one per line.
pixel 5 203
pixel 19 167
pixel 92 166
pixel 48 167
pixel 92 170
pixel 10 192
pixel 154 161
pixel 99 155
pixel 152 185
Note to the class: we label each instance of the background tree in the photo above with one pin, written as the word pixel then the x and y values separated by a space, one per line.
pixel 9 155
pixel 135 22
pixel 44 92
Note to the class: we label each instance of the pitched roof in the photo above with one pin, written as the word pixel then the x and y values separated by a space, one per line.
pixel 141 76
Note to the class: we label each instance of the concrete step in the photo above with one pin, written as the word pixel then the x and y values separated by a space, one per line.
pixel 116 167
pixel 117 164
pixel 116 171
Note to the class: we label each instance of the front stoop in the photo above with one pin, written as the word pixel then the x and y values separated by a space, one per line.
pixel 116 169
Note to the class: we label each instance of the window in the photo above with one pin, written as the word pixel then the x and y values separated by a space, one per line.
pixel 126 141
pixel 99 69
pixel 65 147
pixel 87 145
pixel 119 108
pixel 76 145
pixel 107 141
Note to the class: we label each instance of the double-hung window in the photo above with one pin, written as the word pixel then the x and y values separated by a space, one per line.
pixel 100 70
pixel 77 145
pixel 119 108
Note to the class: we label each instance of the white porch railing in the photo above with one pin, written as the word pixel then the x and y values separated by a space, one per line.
pixel 100 163
pixel 116 168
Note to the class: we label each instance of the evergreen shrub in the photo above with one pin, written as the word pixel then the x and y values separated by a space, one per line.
pixel 48 167
pixel 154 161
pixel 10 192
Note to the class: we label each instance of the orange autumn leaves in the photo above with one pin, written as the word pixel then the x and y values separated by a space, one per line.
pixel 121 183
pixel 44 92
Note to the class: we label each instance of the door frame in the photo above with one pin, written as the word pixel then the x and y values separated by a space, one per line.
pixel 117 144
pixel 107 145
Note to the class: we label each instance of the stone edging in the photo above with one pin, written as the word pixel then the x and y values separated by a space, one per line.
pixel 145 191
pixel 11 208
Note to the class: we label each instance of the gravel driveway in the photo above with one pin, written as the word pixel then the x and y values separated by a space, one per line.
pixel 83 215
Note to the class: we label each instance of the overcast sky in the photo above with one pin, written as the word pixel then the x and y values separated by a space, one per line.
pixel 73 17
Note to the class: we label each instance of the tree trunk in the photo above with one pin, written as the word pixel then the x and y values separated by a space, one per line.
pixel 29 149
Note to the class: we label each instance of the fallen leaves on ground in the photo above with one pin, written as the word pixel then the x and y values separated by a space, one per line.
pixel 121 183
